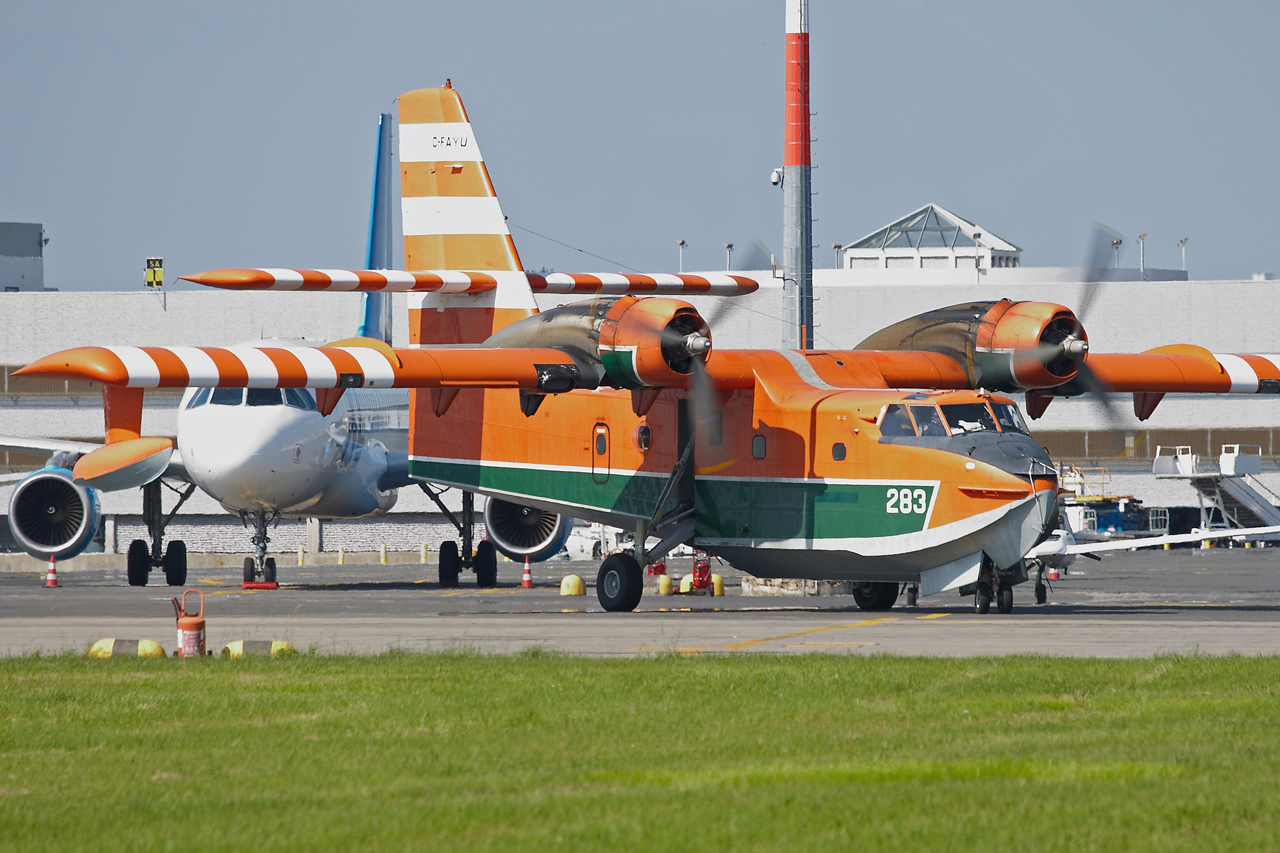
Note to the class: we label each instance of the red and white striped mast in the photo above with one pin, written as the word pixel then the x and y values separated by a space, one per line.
pixel 797 227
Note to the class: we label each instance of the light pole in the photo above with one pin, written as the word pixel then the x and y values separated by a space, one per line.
pixel 680 243
pixel 837 247
pixel 1142 255
pixel 1115 244
pixel 1182 242
pixel 728 256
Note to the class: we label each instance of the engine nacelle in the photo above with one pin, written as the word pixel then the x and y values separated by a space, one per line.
pixel 51 516
pixel 524 531
pixel 619 341
pixel 1005 346
pixel 353 492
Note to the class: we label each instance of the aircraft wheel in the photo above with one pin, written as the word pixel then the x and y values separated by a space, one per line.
pixel 449 563
pixel 250 570
pixel 486 564
pixel 269 570
pixel 620 583
pixel 1042 593
pixel 1004 598
pixel 875 595
pixel 138 563
pixel 982 599
pixel 175 563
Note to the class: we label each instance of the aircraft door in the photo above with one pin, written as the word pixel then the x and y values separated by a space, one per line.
pixel 600 454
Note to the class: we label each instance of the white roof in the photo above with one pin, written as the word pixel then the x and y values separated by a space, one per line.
pixel 932 227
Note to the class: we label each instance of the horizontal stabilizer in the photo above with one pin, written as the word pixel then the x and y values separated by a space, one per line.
pixel 664 284
pixel 448 281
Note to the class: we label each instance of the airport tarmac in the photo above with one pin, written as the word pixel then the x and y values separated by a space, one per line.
pixel 1128 605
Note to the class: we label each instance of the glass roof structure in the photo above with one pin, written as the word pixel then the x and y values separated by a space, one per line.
pixel 930 227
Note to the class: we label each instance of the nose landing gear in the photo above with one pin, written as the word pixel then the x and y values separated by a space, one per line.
pixel 260 568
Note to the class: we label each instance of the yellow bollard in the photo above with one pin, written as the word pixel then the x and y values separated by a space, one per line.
pixel 1166 546
pixel 1248 544
pixel 717 585
pixel 422 553
pixel 572 585
pixel 342 556
pixel 301 551
pixel 664 585
pixel 382 553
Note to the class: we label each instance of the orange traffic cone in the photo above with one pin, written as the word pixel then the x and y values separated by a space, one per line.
pixel 527 580
pixel 51 579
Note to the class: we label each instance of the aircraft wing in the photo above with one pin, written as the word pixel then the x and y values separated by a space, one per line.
pixel 368 364
pixel 77 449
pixel 1174 539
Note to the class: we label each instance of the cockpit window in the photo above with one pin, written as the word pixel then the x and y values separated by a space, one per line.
pixel 299 399
pixel 226 396
pixel 969 417
pixel 199 398
pixel 262 396
pixel 1009 418
pixel 896 422
pixel 928 421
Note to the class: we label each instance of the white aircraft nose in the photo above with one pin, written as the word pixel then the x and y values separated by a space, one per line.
pixel 255 458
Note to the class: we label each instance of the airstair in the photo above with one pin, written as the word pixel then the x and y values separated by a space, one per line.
pixel 1229 485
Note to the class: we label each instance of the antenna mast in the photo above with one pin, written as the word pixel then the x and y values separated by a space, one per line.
pixel 797 227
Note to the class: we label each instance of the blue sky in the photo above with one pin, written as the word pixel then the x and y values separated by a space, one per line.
pixel 242 134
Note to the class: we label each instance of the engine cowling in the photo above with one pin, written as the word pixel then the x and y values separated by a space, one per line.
pixel 1005 346
pixel 521 531
pixel 353 491
pixel 619 341
pixel 51 516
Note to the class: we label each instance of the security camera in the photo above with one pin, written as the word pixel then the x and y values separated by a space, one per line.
pixel 776 177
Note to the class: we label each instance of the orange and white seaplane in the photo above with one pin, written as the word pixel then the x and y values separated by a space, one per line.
pixel 900 462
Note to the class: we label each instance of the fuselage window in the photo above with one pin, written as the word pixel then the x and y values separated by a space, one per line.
pixel 838 451
pixel 928 421
pixel 299 399
pixel 226 396
pixel 1009 418
pixel 757 447
pixel 602 444
pixel 199 398
pixel 969 417
pixel 896 422
pixel 262 396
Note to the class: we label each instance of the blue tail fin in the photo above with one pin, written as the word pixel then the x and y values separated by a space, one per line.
pixel 375 308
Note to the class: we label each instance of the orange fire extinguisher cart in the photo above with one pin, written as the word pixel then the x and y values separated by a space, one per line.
pixel 190 626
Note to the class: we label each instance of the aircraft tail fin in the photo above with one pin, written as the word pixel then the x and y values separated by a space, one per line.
pixel 375 307
pixel 452 221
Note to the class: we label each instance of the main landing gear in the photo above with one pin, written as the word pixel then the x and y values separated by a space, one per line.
pixel 141 558
pixel 997 585
pixel 484 561
pixel 260 567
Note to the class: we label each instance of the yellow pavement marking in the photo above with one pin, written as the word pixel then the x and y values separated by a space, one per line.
pixel 862 624
pixel 217 581
pixel 680 650
pixel 235 592
pixel 812 645
pixel 934 616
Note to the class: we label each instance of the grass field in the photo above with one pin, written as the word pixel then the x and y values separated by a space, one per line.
pixel 459 751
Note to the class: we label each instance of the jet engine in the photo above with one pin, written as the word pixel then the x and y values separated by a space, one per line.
pixel 353 492
pixel 1005 346
pixel 52 516
pixel 619 341
pixel 524 531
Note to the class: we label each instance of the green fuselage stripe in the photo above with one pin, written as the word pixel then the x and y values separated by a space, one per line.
pixel 727 508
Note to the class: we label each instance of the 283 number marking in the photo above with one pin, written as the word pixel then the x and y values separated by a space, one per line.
pixel 907 501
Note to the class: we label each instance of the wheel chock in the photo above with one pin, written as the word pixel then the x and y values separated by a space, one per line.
pixel 664 585
pixel 259 585
pixel 572 585
pixel 686 585
pixel 257 648
pixel 126 648
pixel 717 585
